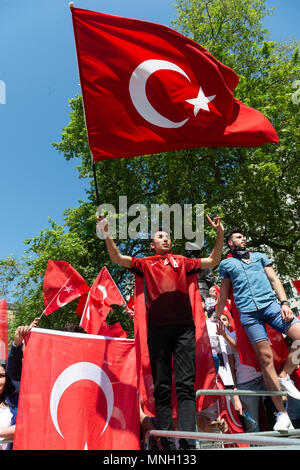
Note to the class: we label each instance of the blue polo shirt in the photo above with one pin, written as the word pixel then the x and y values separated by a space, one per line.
pixel 251 287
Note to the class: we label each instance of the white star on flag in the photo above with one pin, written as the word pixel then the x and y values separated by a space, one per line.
pixel 201 102
pixel 68 289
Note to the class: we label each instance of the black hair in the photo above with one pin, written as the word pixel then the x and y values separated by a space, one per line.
pixel 73 328
pixel 231 232
pixel 9 388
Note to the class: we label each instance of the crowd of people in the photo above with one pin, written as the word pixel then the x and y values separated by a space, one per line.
pixel 171 338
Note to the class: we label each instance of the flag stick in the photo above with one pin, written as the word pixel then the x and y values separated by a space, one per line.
pixel 71 5
pixel 96 185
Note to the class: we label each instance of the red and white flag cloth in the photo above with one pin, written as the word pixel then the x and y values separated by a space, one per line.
pixel 77 392
pixel 3 330
pixel 148 89
pixel 228 413
pixel 102 295
pixel 62 284
pixel 297 285
pixel 130 303
pixel 205 369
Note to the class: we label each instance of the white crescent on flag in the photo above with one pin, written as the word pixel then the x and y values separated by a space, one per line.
pixel 74 373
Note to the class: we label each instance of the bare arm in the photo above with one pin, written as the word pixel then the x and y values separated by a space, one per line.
pixel 223 296
pixel 112 249
pixel 236 399
pixel 286 312
pixel 215 256
pixel 8 432
pixel 221 330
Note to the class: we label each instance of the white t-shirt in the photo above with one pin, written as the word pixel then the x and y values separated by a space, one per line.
pixel 243 372
pixel 221 347
pixel 5 421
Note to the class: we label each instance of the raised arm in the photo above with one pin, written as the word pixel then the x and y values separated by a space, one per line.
pixel 112 249
pixel 215 256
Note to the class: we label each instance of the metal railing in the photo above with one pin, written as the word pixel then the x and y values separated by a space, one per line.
pixel 242 438
pixel 230 392
pixel 258 440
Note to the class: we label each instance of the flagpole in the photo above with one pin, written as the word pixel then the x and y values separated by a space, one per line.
pixel 71 5
pixel 95 181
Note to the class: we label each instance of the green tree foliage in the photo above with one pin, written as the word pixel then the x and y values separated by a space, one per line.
pixel 253 188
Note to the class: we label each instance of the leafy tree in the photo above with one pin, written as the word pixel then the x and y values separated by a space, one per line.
pixel 253 188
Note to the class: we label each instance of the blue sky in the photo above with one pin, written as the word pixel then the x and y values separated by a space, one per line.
pixel 39 68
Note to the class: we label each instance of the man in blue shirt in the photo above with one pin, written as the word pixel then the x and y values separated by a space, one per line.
pixel 253 279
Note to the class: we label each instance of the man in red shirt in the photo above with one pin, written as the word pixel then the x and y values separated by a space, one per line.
pixel 170 324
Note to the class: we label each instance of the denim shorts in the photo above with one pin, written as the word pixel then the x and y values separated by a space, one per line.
pixel 254 322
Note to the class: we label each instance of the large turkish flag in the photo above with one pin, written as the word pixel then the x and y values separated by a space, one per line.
pixel 77 392
pixel 147 89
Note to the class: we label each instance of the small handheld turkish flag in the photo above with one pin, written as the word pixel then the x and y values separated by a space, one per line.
pixel 102 295
pixel 77 392
pixel 147 89
pixel 62 284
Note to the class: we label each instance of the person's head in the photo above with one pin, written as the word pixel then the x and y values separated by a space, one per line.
pixel 225 320
pixel 73 328
pixel 161 242
pixel 6 386
pixel 212 292
pixel 236 239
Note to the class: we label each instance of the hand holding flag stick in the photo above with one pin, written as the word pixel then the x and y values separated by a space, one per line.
pixel 21 331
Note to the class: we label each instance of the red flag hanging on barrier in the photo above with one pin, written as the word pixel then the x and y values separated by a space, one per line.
pixel 102 295
pixel 3 330
pixel 147 89
pixel 62 284
pixel 77 392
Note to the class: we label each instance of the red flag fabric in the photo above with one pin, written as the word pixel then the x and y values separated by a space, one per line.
pixel 3 330
pixel 228 413
pixel 297 285
pixel 62 284
pixel 130 303
pixel 115 330
pixel 81 304
pixel 78 392
pixel 205 369
pixel 147 89
pixel 102 295
pixel 246 351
